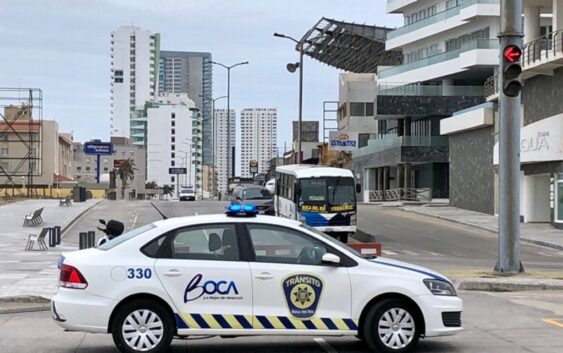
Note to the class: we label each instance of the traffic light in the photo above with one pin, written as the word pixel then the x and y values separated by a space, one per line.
pixel 511 71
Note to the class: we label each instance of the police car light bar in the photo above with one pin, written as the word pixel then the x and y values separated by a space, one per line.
pixel 240 210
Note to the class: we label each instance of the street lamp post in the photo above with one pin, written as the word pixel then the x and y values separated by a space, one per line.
pixel 229 152
pixel 214 179
pixel 292 68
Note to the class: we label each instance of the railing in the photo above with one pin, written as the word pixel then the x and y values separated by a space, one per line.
pixel 482 43
pixel 401 194
pixel 418 90
pixel 394 141
pixel 490 88
pixel 544 47
pixel 440 16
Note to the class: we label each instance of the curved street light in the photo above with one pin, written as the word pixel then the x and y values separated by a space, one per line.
pixel 291 67
pixel 228 68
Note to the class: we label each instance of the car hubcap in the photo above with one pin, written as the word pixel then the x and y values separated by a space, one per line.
pixel 142 330
pixel 396 328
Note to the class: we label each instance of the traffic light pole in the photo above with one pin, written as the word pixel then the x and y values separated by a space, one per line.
pixel 509 147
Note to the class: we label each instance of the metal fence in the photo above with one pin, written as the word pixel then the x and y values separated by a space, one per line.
pixel 401 194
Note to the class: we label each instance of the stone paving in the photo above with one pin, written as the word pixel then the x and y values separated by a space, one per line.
pixel 32 273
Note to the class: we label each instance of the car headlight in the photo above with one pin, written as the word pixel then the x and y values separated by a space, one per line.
pixel 438 287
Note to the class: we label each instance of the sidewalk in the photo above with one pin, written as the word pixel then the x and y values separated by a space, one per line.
pixel 535 233
pixel 32 273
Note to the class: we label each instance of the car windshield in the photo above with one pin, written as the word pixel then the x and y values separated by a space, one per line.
pixel 187 191
pixel 126 236
pixel 256 194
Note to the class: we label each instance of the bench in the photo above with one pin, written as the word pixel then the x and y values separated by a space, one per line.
pixel 66 202
pixel 33 219
pixel 37 238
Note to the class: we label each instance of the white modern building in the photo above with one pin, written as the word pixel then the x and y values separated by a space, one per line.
pixel 259 129
pixel 134 73
pixel 441 40
pixel 221 148
pixel 174 141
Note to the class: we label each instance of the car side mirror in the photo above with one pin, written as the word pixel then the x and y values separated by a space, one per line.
pixel 358 188
pixel 331 259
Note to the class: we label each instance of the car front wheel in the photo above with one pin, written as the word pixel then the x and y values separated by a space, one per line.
pixel 143 326
pixel 391 326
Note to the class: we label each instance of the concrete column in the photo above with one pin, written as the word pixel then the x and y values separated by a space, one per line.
pixel 408 174
pixel 379 178
pixel 400 176
pixel 447 87
pixel 557 15
pixel 407 127
pixel 532 23
pixel 385 181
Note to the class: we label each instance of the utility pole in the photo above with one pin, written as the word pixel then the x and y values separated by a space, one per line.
pixel 509 144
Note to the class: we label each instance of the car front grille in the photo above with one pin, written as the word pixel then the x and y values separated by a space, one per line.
pixel 451 318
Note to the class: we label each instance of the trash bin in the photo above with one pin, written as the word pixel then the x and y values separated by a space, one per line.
pixel 83 195
pixel 76 194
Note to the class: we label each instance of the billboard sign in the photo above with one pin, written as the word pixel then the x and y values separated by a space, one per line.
pixel 102 148
pixel 253 165
pixel 343 141
pixel 176 170
pixel 118 162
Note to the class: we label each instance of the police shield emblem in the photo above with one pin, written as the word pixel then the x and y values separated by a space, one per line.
pixel 302 294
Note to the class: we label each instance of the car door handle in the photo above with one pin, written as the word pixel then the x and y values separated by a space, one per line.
pixel 173 273
pixel 265 275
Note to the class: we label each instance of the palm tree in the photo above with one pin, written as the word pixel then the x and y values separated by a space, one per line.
pixel 126 173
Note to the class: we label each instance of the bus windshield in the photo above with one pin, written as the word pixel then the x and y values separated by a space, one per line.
pixel 329 194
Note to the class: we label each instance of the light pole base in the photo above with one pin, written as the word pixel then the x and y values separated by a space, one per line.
pixel 500 271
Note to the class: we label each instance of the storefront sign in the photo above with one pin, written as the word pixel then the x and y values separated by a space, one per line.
pixel 343 141
pixel 540 141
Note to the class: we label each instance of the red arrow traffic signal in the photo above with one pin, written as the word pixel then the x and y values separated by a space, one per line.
pixel 512 53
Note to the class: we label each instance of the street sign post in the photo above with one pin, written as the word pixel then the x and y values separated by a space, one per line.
pixel 98 149
pixel 253 167
pixel 177 171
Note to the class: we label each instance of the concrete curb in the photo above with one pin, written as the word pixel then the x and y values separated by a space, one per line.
pixel 486 229
pixel 19 304
pixel 73 221
pixel 507 284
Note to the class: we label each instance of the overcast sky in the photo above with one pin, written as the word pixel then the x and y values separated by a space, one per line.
pixel 63 48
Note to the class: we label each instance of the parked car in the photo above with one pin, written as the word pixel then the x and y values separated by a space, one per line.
pixel 255 194
pixel 187 193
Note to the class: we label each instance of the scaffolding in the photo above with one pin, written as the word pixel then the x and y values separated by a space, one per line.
pixel 21 118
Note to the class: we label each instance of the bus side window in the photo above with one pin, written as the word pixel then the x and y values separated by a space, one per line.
pixel 290 187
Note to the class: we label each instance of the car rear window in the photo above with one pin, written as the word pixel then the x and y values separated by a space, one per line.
pixel 126 236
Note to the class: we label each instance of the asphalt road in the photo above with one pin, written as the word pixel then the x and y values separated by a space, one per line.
pixel 443 245
pixel 493 323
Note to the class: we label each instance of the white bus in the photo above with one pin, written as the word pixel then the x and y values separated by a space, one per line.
pixel 322 197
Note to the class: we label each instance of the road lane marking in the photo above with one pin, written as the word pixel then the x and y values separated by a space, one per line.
pixel 544 254
pixel 324 345
pixel 553 322
pixel 389 252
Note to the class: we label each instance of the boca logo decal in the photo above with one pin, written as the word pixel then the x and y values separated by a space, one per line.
pixel 302 294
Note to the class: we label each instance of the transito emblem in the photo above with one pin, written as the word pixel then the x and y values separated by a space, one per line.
pixel 302 293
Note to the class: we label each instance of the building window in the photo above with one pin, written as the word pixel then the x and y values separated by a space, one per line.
pixel 173 131
pixel 172 179
pixel 172 155
pixel 172 139
pixel 559 215
pixel 78 168
pixel 4 152
pixel 173 123
pixel 87 169
pixel 173 147
pixel 173 163
pixel 173 116
pixel 118 80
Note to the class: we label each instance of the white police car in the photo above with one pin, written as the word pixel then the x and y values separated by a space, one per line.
pixel 232 276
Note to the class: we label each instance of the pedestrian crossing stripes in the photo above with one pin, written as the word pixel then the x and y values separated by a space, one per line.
pixel 229 321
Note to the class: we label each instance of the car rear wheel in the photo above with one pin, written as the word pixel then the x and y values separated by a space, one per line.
pixel 143 326
pixel 391 326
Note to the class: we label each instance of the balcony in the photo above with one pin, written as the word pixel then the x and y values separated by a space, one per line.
pixel 395 6
pixel 395 99
pixel 439 17
pixel 479 52
pixel 400 149
pixel 543 55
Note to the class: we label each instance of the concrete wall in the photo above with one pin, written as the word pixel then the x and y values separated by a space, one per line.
pixel 471 170
pixel 541 97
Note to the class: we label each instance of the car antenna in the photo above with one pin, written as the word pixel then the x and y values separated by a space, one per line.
pixel 159 211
